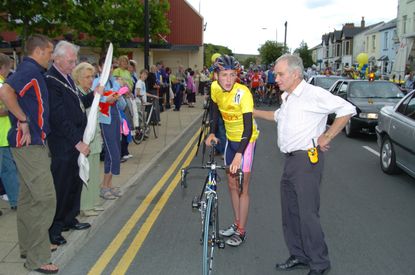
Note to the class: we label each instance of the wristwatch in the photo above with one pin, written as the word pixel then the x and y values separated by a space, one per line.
pixel 25 121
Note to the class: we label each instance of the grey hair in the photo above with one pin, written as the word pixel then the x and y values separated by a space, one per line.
pixel 294 62
pixel 63 46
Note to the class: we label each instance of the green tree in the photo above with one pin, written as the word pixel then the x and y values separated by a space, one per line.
pixel 270 51
pixel 211 49
pixel 102 21
pixel 27 17
pixel 305 54
pixel 248 62
pixel 117 21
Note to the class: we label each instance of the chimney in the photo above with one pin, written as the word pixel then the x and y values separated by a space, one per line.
pixel 362 23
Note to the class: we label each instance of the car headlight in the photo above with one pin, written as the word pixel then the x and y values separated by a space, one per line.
pixel 369 115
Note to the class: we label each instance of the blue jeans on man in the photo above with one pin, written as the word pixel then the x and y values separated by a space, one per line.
pixel 8 174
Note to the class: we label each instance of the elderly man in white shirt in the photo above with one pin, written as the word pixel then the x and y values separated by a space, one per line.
pixel 301 123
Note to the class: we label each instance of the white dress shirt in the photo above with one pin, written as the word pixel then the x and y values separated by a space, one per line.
pixel 302 117
pixel 143 92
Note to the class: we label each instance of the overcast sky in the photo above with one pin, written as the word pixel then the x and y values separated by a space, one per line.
pixel 243 25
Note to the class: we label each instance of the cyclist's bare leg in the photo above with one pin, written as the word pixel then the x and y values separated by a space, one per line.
pixel 234 192
pixel 244 202
pixel 240 202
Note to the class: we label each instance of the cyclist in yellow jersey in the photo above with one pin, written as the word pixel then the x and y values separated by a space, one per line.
pixel 235 103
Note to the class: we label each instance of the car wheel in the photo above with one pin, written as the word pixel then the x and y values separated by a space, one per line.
pixel 349 129
pixel 387 157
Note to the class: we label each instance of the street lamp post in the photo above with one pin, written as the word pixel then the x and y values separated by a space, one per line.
pixel 146 35
pixel 285 36
pixel 276 33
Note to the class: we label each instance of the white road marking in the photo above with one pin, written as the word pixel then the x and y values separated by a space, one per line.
pixel 371 150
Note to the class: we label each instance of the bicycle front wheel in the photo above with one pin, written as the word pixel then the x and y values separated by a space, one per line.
pixel 209 236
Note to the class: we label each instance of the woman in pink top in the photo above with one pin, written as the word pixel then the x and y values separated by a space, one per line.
pixel 191 89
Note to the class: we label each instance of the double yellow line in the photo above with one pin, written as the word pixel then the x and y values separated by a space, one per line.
pixel 139 238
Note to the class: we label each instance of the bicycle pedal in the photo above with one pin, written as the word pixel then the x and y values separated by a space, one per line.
pixel 221 243
pixel 195 203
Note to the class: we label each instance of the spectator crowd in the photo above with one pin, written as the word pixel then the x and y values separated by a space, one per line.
pixel 44 106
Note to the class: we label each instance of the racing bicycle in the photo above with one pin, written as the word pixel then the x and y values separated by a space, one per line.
pixel 148 122
pixel 207 204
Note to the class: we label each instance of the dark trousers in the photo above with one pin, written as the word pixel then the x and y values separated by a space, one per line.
pixel 167 93
pixel 68 187
pixel 178 95
pixel 300 204
pixel 124 146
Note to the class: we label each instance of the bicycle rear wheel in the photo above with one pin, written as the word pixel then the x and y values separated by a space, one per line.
pixel 209 236
pixel 138 136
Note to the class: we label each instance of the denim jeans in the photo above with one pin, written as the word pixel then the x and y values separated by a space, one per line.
pixel 8 174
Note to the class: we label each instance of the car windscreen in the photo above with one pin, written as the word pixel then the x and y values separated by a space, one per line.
pixel 325 82
pixel 366 89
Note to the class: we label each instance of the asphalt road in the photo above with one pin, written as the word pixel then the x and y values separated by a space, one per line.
pixel 367 216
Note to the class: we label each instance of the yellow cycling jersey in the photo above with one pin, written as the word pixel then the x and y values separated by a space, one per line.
pixel 232 105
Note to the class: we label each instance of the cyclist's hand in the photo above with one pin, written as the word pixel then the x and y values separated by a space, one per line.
pixel 236 163
pixel 211 138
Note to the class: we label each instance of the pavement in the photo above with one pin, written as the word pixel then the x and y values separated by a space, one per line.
pixel 145 155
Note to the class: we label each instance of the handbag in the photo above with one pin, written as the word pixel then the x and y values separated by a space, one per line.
pixel 171 92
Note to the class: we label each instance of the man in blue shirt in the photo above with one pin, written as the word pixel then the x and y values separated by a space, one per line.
pixel 26 96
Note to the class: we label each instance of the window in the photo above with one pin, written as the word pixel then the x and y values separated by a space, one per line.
pixel 410 109
pixel 367 44
pixel 385 41
pixel 413 22
pixel 373 42
pixel 404 19
pixel 347 47
pixel 407 108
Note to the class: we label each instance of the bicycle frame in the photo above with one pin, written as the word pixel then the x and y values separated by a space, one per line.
pixel 206 202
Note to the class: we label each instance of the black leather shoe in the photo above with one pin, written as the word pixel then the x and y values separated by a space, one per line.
pixel 318 271
pixel 291 263
pixel 80 226
pixel 57 239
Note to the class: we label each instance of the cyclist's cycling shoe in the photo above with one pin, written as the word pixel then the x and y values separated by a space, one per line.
pixel 237 239
pixel 228 231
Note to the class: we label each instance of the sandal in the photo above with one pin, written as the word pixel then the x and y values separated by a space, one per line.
pixel 115 191
pixel 44 270
pixel 236 240
pixel 106 194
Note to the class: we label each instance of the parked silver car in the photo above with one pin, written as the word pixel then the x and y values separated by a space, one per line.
pixel 396 136
pixel 324 81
